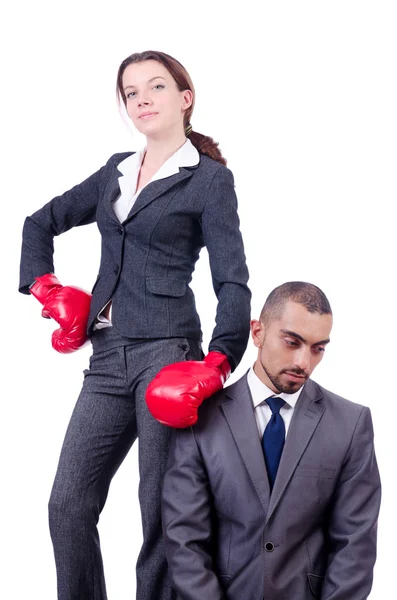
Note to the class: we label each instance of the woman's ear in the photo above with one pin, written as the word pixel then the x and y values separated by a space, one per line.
pixel 187 97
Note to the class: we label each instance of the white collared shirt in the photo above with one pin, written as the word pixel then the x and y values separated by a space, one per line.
pixel 260 392
pixel 186 156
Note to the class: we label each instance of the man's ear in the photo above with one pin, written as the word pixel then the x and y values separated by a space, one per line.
pixel 257 332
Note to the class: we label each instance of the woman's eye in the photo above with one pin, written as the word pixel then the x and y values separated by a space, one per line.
pixel 159 86
pixel 131 94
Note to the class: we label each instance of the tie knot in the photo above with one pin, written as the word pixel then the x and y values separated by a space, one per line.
pixel 275 404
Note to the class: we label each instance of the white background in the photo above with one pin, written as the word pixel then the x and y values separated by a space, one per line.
pixel 302 97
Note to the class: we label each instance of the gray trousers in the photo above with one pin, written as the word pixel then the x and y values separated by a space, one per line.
pixel 110 414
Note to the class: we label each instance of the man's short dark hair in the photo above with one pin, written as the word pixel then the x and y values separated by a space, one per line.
pixel 308 295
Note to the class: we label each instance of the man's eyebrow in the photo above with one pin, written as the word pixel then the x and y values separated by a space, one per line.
pixel 302 339
pixel 293 334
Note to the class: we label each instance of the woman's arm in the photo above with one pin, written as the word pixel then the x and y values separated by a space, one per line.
pixel 177 391
pixel 73 208
pixel 222 237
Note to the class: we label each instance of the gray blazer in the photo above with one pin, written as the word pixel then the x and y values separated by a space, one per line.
pixel 314 536
pixel 148 260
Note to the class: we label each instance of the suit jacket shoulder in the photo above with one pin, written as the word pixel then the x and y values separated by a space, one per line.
pixel 336 405
pixel 117 158
pixel 211 407
pixel 210 168
pixel 334 399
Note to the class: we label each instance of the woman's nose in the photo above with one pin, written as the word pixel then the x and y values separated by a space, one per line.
pixel 143 100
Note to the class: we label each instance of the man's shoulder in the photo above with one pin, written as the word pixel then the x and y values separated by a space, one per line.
pixel 229 393
pixel 331 398
pixel 212 404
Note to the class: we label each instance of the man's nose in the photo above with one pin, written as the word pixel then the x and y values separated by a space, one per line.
pixel 302 358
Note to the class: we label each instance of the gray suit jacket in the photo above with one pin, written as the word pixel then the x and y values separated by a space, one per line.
pixel 314 536
pixel 148 260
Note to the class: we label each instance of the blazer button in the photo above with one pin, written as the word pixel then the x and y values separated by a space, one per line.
pixel 120 230
pixel 269 546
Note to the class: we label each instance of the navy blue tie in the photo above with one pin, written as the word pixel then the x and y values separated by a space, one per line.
pixel 273 438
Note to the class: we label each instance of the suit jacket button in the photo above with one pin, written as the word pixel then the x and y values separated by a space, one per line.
pixel 269 547
pixel 120 230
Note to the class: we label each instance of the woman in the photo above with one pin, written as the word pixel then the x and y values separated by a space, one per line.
pixel 155 210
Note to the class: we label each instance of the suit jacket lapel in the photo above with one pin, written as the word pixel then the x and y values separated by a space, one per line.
pixel 148 194
pixel 307 415
pixel 112 191
pixel 239 412
pixel 157 188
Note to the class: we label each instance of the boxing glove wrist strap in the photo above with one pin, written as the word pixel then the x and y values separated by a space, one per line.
pixel 219 360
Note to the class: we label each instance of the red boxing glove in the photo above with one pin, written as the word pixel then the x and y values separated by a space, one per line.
pixel 176 392
pixel 69 306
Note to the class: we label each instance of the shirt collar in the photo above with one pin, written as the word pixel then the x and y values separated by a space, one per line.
pixel 186 156
pixel 260 392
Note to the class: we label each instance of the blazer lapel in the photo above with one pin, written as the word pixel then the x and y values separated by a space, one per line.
pixel 157 188
pixel 307 415
pixel 239 412
pixel 111 193
pixel 148 194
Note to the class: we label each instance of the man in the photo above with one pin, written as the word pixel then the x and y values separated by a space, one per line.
pixel 240 522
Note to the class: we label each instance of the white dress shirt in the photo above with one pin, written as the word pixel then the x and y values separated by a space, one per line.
pixel 186 156
pixel 260 392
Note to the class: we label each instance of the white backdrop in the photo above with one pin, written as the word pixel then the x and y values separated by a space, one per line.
pixel 302 98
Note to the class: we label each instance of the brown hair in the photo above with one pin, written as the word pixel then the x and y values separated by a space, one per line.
pixel 308 295
pixel 203 143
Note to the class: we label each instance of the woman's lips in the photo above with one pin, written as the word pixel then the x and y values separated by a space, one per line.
pixel 147 115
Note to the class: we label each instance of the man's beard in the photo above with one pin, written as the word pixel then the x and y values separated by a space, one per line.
pixel 291 386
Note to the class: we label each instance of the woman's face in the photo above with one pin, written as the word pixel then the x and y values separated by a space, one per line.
pixel 153 101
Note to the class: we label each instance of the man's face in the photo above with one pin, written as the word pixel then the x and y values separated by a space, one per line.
pixel 290 347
